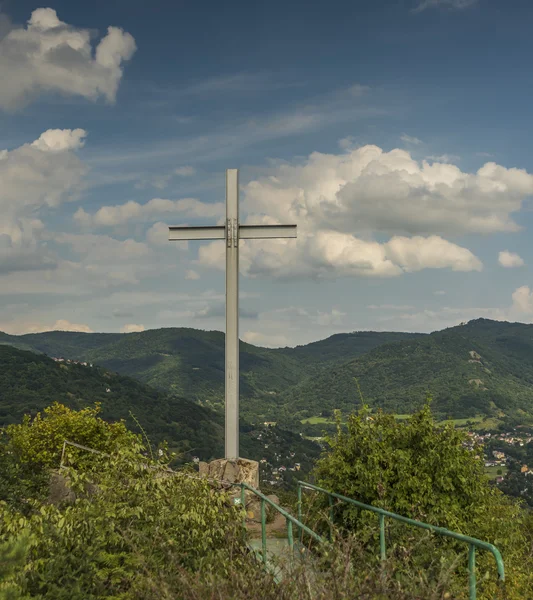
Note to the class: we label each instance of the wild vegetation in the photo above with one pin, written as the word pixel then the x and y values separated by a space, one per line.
pixel 431 473
pixel 134 531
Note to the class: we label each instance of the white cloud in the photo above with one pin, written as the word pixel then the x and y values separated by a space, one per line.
pixel 367 189
pixel 439 293
pixel 132 328
pixel 110 216
pixel 456 4
pixel 329 254
pixel 158 236
pixel 417 253
pixel 408 139
pixel 341 203
pixel 34 179
pixel 261 339
pixel 190 274
pixel 510 259
pixel 50 56
pixel 523 300
pixel 59 325
pixel 60 140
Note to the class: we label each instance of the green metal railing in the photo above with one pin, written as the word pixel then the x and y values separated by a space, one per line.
pixel 473 543
pixel 290 519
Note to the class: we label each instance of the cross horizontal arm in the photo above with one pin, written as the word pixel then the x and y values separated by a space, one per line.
pixel 259 232
pixel 217 232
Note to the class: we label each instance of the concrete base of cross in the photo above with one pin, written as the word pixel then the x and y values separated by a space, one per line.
pixel 240 470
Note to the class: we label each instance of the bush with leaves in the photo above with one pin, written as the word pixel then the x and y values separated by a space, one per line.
pixel 30 449
pixel 427 472
pixel 12 557
pixel 39 441
pixel 137 517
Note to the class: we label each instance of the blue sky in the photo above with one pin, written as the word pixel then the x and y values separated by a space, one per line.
pixel 396 134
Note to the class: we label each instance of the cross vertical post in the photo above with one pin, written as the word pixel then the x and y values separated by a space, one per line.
pixel 232 314
pixel 231 232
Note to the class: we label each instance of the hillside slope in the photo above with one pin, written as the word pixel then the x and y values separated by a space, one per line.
pixel 395 370
pixel 484 367
pixel 340 347
pixel 186 362
pixel 190 363
pixel 29 382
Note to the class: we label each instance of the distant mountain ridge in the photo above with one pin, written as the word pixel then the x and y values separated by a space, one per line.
pixel 29 382
pixel 394 370
pixel 190 362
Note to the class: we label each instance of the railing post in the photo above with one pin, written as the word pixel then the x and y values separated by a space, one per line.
pixel 63 455
pixel 330 517
pixel 289 534
pixel 243 505
pixel 472 571
pixel 263 531
pixel 382 536
pixel 300 530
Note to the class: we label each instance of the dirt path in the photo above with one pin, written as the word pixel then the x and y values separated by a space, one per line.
pixel 276 528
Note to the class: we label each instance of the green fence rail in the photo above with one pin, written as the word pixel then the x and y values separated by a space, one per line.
pixel 290 519
pixel 473 543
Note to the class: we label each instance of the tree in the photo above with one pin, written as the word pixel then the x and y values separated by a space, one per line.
pixel 424 471
pixel 39 441
pixel 29 449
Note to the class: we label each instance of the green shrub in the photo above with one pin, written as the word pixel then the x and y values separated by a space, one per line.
pixel 135 520
pixel 39 441
pixel 424 471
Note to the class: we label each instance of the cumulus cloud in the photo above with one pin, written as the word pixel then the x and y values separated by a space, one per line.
pixel 343 202
pixel 60 140
pixel 49 55
pixel 329 254
pixel 132 328
pixel 157 235
pixel 190 274
pixel 417 253
pixel 523 300
pixel 367 189
pixel 110 216
pixel 261 339
pixel 34 178
pixel 59 325
pixel 510 259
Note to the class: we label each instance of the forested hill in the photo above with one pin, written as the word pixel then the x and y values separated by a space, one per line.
pixel 484 367
pixel 190 362
pixel 29 382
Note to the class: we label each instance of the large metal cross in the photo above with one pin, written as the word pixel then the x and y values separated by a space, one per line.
pixel 232 231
